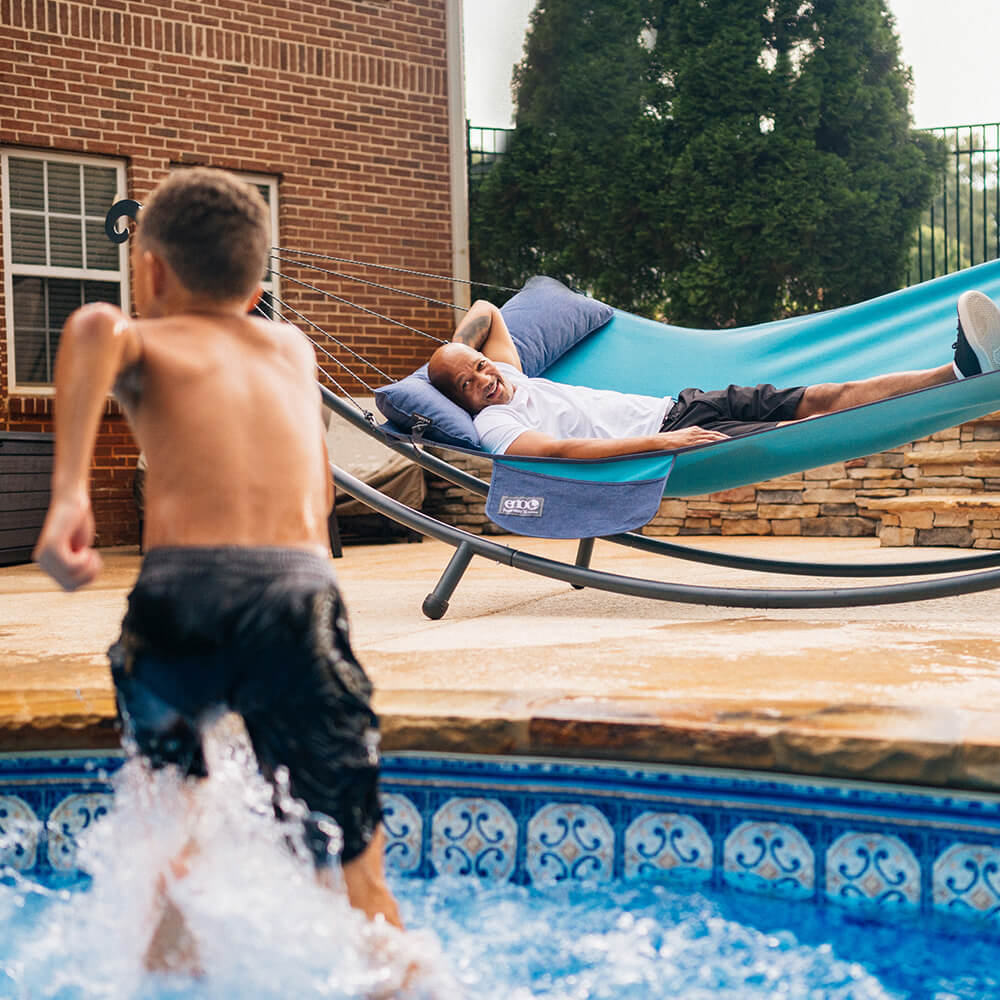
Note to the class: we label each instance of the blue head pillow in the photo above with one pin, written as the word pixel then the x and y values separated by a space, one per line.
pixel 545 320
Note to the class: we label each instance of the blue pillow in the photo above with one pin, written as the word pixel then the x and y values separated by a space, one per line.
pixel 546 319
pixel 404 401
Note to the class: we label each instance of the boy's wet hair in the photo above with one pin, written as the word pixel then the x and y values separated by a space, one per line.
pixel 212 229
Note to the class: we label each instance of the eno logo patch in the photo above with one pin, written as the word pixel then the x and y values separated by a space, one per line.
pixel 522 506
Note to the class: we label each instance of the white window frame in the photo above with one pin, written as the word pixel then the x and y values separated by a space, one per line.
pixel 121 276
pixel 273 285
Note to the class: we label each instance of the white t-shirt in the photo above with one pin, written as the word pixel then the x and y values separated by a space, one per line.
pixel 566 411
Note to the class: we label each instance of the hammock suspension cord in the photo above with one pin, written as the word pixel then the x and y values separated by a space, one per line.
pixel 399 270
pixel 277 253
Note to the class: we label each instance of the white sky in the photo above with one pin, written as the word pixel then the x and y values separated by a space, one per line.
pixel 951 45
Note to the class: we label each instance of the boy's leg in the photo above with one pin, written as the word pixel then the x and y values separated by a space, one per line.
pixel 364 877
pixel 172 947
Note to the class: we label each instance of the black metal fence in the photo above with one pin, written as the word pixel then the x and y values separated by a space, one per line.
pixel 484 146
pixel 961 227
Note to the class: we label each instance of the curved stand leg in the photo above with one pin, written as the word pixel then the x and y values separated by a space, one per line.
pixel 583 553
pixel 436 602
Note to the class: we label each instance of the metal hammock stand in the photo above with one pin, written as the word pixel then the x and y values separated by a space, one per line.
pixel 972 574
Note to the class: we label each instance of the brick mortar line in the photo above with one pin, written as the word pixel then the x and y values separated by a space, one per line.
pixel 220 45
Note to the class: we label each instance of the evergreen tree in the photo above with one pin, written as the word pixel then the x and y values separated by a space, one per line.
pixel 568 197
pixel 757 160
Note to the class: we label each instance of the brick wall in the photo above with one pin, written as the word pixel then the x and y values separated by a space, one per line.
pixel 344 102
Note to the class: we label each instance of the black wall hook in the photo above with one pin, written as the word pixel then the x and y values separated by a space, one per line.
pixel 127 206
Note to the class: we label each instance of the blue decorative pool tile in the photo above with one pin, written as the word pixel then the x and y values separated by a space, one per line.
pixel 927 851
pixel 20 831
pixel 404 833
pixel 872 869
pixel 474 836
pixel 667 845
pixel 569 840
pixel 966 880
pixel 73 815
pixel 770 858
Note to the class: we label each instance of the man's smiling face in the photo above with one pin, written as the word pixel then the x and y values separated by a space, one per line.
pixel 474 381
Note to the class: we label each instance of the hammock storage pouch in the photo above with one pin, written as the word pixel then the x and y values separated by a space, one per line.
pixel 586 500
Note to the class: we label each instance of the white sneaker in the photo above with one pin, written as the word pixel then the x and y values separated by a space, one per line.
pixel 977 349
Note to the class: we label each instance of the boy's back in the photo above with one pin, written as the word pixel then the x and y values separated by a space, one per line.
pixel 227 412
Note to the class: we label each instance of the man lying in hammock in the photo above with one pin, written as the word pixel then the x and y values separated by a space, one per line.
pixel 480 370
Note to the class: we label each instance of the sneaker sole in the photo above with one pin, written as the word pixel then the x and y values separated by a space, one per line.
pixel 980 319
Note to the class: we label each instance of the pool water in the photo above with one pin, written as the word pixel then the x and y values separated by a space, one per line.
pixel 265 929
pixel 513 943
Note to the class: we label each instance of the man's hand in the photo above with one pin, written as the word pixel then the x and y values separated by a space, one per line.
pixel 688 436
pixel 65 547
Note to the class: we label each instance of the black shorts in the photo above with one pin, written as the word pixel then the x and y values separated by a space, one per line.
pixel 260 632
pixel 735 411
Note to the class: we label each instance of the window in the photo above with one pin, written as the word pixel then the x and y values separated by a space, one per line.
pixel 268 187
pixel 56 254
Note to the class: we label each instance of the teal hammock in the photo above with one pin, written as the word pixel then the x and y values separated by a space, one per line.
pixel 909 329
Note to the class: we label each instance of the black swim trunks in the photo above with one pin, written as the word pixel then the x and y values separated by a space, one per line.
pixel 261 632
pixel 735 411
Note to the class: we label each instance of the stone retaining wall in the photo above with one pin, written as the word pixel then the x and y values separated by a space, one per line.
pixel 836 500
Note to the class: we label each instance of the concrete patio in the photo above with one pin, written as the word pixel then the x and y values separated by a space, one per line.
pixel 526 665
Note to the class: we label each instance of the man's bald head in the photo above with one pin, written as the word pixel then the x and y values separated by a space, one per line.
pixel 467 377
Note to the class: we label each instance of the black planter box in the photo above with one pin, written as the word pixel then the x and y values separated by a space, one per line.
pixel 25 481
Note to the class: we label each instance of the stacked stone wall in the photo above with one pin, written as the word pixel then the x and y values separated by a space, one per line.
pixel 841 500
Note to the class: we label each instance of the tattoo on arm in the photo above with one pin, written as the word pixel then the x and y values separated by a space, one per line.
pixel 473 331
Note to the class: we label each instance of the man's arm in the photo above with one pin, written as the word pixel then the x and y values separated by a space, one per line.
pixel 483 329
pixel 544 445
pixel 97 343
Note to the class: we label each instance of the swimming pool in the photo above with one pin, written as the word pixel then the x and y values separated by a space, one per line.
pixel 640 861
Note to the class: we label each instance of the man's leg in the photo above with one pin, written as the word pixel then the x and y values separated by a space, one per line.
pixel 977 350
pixel 828 397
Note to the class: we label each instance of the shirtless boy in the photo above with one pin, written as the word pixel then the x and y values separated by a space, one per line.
pixel 514 414
pixel 236 606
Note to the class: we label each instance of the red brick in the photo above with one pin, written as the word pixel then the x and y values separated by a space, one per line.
pixel 343 103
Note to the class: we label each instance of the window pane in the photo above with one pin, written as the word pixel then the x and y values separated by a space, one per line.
pixel 100 185
pixel 102 291
pixel 265 193
pixel 26 184
pixel 64 187
pixel 65 295
pixel 30 334
pixel 101 252
pixel 27 238
pixel 29 302
pixel 32 366
pixel 65 243
pixel 265 307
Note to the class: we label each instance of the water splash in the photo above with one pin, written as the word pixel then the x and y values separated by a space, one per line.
pixel 262 924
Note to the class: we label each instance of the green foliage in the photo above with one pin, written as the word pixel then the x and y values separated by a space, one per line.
pixel 757 159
